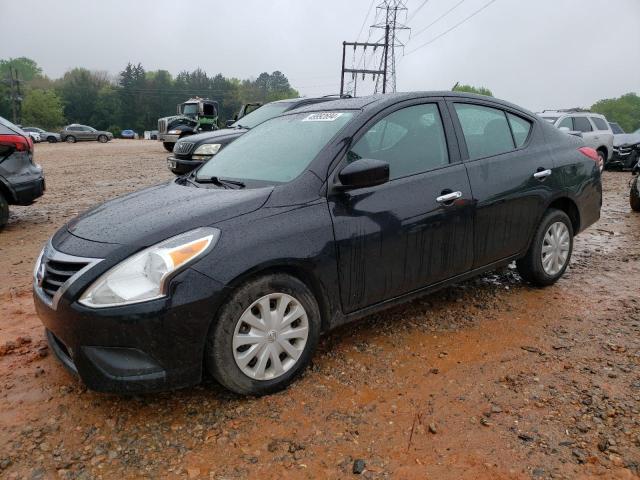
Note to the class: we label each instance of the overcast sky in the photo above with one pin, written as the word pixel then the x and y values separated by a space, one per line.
pixel 539 54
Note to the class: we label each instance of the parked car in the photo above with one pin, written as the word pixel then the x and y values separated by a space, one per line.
pixel 310 220
pixel 626 147
pixel 50 137
pixel 21 180
pixel 128 134
pixel 245 109
pixel 592 127
pixel 191 152
pixel 35 136
pixel 76 133
pixel 634 192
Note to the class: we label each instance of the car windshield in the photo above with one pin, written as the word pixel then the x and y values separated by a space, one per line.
pixel 190 109
pixel 261 114
pixel 278 150
pixel 616 129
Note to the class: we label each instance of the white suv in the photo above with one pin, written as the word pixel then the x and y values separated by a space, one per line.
pixel 592 127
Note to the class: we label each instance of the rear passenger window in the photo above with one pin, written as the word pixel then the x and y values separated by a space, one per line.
pixel 411 140
pixel 566 123
pixel 486 130
pixel 520 128
pixel 582 124
pixel 599 123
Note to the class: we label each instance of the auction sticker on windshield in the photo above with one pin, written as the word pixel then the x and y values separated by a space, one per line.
pixel 323 117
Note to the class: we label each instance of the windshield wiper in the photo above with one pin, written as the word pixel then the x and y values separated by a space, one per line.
pixel 221 182
pixel 186 179
pixel 243 126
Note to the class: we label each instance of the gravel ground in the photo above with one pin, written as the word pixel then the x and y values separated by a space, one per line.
pixel 489 379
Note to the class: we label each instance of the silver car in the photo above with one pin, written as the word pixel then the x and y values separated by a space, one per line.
pixel 592 127
pixel 76 133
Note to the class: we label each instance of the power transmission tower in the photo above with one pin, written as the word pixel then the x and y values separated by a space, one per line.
pixel 354 70
pixel 390 13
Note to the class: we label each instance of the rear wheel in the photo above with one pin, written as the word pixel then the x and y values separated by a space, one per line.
pixel 265 335
pixel 550 250
pixel 70 139
pixel 168 146
pixel 602 159
pixel 4 211
pixel 634 195
pixel 103 138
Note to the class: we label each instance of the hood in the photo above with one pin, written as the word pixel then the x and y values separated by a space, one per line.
pixel 626 139
pixel 157 213
pixel 217 136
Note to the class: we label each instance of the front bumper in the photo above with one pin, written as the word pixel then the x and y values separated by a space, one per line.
pixel 151 346
pixel 181 166
pixel 165 137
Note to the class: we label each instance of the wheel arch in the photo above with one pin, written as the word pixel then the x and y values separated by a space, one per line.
pixel 605 150
pixel 6 191
pixel 568 206
pixel 296 269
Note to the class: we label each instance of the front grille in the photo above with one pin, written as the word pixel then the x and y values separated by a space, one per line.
pixel 162 126
pixel 624 149
pixel 182 148
pixel 56 273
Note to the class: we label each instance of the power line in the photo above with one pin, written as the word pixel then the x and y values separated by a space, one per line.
pixel 415 12
pixel 440 18
pixel 365 20
pixel 452 28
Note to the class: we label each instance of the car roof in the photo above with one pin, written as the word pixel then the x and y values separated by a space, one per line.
pixel 560 113
pixel 382 100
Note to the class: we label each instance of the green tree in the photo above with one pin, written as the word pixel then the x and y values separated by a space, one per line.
pixel 79 90
pixel 26 68
pixel 624 110
pixel 471 89
pixel 43 108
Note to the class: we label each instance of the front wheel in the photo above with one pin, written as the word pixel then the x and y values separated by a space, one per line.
pixel 602 160
pixel 634 195
pixel 550 250
pixel 4 211
pixel 51 139
pixel 168 146
pixel 265 335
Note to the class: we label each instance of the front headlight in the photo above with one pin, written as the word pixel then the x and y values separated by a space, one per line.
pixel 207 149
pixel 144 276
pixel 174 132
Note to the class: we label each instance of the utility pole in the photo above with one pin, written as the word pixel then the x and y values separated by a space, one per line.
pixel 16 96
pixel 354 70
pixel 390 12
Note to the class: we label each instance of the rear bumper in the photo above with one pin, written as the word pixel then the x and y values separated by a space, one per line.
pixel 26 192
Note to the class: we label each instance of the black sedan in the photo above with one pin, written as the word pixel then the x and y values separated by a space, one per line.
pixel 310 220
pixel 192 151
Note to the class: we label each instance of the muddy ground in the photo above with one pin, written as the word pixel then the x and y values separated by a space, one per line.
pixel 489 379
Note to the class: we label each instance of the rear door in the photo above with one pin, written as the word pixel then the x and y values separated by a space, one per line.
pixel 511 174
pixel 416 229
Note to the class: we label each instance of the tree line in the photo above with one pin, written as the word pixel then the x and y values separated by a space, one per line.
pixel 134 99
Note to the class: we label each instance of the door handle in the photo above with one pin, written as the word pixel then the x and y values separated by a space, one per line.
pixel 449 197
pixel 542 174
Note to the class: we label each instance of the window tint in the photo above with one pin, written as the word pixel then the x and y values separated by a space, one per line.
pixel 582 124
pixel 520 128
pixel 567 123
pixel 485 129
pixel 411 140
pixel 599 123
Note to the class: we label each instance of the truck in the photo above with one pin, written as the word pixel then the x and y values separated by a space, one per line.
pixel 193 116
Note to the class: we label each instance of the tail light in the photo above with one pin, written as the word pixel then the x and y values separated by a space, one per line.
pixel 592 154
pixel 17 142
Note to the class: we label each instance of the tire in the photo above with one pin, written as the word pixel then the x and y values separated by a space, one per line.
pixel 602 160
pixel 52 140
pixel 103 138
pixel 229 327
pixel 4 211
pixel 70 139
pixel 634 195
pixel 168 146
pixel 531 266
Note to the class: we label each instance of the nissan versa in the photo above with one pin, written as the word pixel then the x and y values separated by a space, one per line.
pixel 310 220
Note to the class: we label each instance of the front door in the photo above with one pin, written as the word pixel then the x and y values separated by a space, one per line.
pixel 415 230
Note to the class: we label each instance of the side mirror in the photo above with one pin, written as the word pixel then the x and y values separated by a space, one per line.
pixel 229 123
pixel 566 130
pixel 364 172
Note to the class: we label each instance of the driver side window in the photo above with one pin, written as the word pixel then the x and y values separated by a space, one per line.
pixel 411 140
